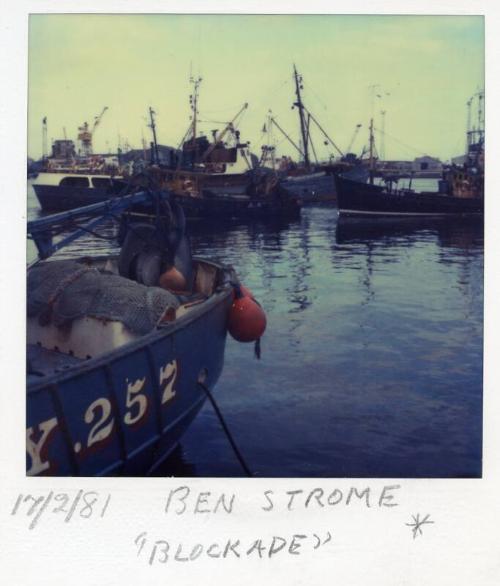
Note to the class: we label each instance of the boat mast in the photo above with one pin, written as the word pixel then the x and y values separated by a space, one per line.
pixel 300 106
pixel 371 151
pixel 270 140
pixel 193 101
pixel 475 135
pixel 479 114
pixel 468 133
pixel 152 125
pixel 143 145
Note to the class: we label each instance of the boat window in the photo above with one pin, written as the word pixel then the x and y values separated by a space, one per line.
pixel 100 182
pixel 74 182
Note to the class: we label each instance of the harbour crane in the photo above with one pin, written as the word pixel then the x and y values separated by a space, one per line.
pixel 85 134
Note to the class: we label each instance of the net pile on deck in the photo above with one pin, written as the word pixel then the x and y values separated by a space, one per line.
pixel 62 291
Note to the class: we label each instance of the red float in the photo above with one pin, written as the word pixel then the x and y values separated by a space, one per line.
pixel 173 280
pixel 247 320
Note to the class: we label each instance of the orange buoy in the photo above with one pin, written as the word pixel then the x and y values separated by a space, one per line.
pixel 243 291
pixel 247 320
pixel 173 280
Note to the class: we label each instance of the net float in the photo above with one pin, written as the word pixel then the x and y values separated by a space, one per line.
pixel 173 280
pixel 247 320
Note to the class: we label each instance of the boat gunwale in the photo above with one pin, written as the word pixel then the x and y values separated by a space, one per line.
pixel 160 332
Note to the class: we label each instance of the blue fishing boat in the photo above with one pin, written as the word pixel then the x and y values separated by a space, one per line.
pixel 118 366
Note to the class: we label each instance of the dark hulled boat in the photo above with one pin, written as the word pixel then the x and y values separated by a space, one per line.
pixel 365 199
pixel 57 192
pixel 319 185
pixel 460 193
pixel 215 179
pixel 220 206
pixel 255 194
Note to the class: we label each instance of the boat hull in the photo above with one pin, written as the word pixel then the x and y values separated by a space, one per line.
pixel 360 199
pixel 219 206
pixel 55 198
pixel 320 187
pixel 315 188
pixel 124 412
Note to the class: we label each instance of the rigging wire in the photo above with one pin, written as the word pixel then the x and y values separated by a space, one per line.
pixel 220 110
pixel 213 121
pixel 400 142
pixel 264 103
pixel 309 88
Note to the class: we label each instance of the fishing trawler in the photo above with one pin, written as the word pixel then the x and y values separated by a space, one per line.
pixel 460 192
pixel 219 178
pixel 122 350
pixel 312 182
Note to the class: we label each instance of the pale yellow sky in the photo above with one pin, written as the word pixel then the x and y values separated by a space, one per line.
pixel 426 68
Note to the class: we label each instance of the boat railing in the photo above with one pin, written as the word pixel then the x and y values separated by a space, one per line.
pixel 41 230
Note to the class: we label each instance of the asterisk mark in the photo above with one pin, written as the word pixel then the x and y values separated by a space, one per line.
pixel 417 524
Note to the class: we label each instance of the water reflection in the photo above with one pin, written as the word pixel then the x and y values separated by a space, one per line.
pixel 458 232
pixel 372 361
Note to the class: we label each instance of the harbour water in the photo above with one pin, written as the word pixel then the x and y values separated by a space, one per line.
pixel 372 359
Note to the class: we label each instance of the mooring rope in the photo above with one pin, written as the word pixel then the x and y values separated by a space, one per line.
pixel 226 429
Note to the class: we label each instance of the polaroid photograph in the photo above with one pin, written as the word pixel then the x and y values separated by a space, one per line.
pixel 254 343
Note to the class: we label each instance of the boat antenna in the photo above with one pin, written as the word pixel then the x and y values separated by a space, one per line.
pixel 44 138
pixel 152 125
pixel 300 106
pixel 372 140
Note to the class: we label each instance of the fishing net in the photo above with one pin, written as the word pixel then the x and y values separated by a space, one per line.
pixel 62 291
